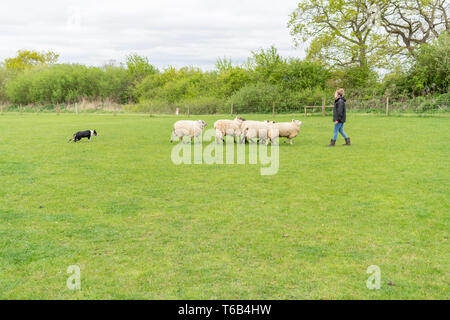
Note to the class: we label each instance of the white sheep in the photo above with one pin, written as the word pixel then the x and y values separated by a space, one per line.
pixel 228 128
pixel 255 129
pixel 284 129
pixel 191 128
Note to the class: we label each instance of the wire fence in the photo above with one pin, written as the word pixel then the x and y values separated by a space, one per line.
pixel 387 105
pixel 381 104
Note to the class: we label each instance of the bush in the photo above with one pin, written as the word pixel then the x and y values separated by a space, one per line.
pixel 206 105
pixel 4 74
pixel 437 103
pixel 301 75
pixel 266 78
pixel 66 83
pixel 432 69
pixel 429 74
pixel 255 98
pixel 294 101
pixel 175 86
pixel 201 105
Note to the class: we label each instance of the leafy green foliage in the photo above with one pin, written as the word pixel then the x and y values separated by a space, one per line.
pixel 26 59
pixel 255 86
pixel 138 67
pixel 64 83
pixel 176 86
pixel 266 78
pixel 232 79
pixel 433 64
pixel 430 72
pixel 255 98
pixel 357 79
pixel 341 33
pixel 4 75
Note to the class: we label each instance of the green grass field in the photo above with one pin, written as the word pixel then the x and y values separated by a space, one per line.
pixel 141 227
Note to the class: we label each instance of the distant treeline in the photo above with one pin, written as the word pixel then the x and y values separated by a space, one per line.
pixel 264 80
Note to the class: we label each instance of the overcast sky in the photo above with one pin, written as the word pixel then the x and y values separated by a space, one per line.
pixel 169 32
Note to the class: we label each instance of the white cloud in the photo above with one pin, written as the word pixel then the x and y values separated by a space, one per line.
pixel 170 32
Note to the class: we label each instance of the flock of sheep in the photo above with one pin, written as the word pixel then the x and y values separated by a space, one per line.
pixel 246 130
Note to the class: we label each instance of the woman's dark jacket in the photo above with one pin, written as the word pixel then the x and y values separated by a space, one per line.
pixel 339 112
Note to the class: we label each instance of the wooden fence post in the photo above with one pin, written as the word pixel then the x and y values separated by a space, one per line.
pixel 387 105
pixel 305 110
pixel 188 111
pixel 58 109
pixel 323 107
pixel 273 109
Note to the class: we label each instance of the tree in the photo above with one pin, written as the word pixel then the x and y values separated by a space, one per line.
pixel 341 33
pixel 432 65
pixel 266 58
pixel 224 64
pixel 139 67
pixel 25 59
pixel 267 64
pixel 413 22
pixel 230 80
pixel 4 74
pixel 429 73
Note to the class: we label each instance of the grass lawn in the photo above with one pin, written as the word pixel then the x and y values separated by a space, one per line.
pixel 141 227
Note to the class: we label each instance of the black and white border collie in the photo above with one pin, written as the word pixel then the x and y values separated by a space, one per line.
pixel 83 134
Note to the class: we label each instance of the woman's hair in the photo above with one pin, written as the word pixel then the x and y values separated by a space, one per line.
pixel 340 92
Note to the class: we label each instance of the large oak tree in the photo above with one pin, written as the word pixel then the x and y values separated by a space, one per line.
pixel 366 33
pixel 411 23
pixel 341 32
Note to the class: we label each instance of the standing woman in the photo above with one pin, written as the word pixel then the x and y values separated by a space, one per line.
pixel 339 117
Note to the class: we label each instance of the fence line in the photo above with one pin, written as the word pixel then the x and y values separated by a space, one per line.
pixel 379 104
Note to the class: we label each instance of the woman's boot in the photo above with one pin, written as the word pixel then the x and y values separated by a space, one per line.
pixel 332 143
pixel 347 142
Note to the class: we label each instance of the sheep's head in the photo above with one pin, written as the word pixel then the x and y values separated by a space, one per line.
pixel 297 122
pixel 202 123
pixel 239 119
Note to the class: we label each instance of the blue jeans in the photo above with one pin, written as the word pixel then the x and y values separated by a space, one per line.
pixel 339 127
